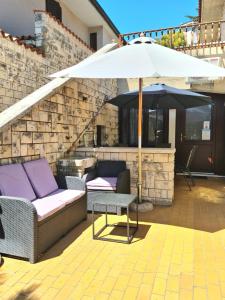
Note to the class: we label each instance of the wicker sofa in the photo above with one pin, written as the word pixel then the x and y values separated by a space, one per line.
pixel 35 211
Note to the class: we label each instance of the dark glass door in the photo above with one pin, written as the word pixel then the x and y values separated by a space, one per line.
pixel 195 127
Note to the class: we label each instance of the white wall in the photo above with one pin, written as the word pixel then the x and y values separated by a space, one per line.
pixel 172 127
pixel 17 17
pixel 107 37
pixel 74 23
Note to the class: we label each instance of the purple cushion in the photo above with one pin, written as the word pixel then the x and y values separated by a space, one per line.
pixel 102 183
pixel 41 177
pixel 14 182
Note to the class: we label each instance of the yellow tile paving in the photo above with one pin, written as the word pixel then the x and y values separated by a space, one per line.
pixel 178 253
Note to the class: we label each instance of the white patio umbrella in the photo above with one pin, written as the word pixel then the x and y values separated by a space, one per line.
pixel 139 60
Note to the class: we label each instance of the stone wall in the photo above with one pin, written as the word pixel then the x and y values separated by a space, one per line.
pixel 52 126
pixel 157 170
pixel 21 71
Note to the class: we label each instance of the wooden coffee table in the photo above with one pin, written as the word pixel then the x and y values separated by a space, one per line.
pixel 118 200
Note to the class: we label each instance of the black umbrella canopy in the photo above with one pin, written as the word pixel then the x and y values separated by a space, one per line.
pixel 162 96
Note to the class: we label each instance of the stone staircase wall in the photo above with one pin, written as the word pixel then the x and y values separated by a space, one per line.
pixel 50 127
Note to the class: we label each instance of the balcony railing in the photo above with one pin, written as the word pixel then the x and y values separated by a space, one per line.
pixel 189 36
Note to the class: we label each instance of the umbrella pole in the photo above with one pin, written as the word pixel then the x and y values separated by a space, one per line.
pixel 140 105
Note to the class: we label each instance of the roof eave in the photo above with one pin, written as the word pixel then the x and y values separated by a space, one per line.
pixel 105 16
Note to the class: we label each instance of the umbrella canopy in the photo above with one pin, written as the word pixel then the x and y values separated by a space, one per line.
pixel 142 60
pixel 161 96
pixel 139 60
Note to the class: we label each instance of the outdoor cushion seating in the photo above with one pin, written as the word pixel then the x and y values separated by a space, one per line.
pixel 108 176
pixel 34 211
pixel 102 183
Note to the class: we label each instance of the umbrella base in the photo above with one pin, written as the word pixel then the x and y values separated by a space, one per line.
pixel 145 206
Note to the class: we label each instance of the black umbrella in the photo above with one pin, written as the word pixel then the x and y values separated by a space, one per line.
pixel 162 96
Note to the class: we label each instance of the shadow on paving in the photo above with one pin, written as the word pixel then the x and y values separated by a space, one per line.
pixel 58 248
pixel 202 209
pixel 122 231
pixel 26 294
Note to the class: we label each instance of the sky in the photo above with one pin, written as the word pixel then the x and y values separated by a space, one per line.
pixel 139 15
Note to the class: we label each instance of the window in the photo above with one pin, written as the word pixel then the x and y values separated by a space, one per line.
pixel 101 135
pixel 93 41
pixel 54 8
pixel 198 123
pixel 154 123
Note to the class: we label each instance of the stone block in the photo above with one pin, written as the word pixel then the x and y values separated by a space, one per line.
pixel 59 98
pixel 7 137
pixel 106 156
pixel 40 150
pixel 122 156
pixel 43 116
pixel 161 185
pixel 161 157
pixel 162 176
pixel 132 157
pixel 24 150
pixel 149 180
pixel 69 92
pixel 146 158
pixel 114 156
pixel 171 176
pixel 100 156
pixel 38 138
pixel 15 144
pixel 162 194
pixel 20 125
pixel 26 138
pixel 168 167
pixel 171 158
pixel 151 193
pixel 30 149
pixel 32 126
pixel 6 151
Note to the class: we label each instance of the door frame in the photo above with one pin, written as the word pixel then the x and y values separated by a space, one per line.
pixel 217 141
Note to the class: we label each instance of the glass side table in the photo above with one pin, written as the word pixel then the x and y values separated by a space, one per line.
pixel 118 200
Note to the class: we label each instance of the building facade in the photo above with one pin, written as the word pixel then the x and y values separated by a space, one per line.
pixel 55 125
pixel 85 18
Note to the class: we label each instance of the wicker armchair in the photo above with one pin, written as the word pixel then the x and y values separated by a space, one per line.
pixel 108 176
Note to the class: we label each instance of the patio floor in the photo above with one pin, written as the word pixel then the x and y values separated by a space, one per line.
pixel 178 253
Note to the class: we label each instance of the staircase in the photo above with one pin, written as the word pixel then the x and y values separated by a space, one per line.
pixel 73 147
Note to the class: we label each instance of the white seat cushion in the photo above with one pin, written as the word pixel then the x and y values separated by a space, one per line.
pixel 67 196
pixel 47 206
pixel 102 183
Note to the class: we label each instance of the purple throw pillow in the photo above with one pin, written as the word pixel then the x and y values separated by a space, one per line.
pixel 14 182
pixel 41 177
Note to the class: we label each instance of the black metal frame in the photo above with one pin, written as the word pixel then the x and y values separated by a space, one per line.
pixel 185 170
pixel 127 226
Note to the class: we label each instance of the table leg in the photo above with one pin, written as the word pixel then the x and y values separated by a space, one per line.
pixel 137 212
pixel 128 225
pixel 93 221
pixel 106 216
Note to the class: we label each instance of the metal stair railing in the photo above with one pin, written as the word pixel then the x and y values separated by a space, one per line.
pixel 73 146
